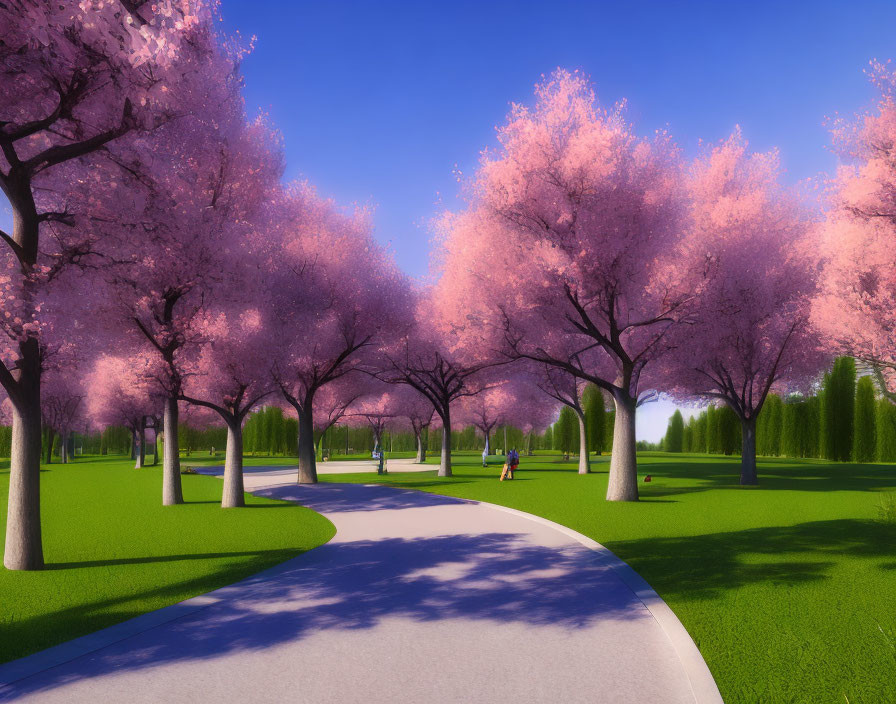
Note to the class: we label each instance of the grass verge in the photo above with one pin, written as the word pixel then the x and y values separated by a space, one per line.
pixel 114 552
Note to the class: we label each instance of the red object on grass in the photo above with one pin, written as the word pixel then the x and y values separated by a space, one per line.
pixel 647 478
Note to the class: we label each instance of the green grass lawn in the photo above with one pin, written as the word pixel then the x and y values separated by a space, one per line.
pixel 788 589
pixel 114 552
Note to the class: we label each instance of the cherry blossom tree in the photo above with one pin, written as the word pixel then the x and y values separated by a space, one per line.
pixel 331 308
pixel 751 321
pixel 570 252
pixel 422 358
pixel 230 376
pixel 505 401
pixel 80 87
pixel 334 401
pixel 856 304
pixel 62 405
pixel 534 416
pixel 198 226
pixel 122 390
pixel 567 389
pixel 417 412
pixel 378 410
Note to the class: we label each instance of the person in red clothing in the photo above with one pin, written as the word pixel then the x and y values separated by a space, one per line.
pixel 513 461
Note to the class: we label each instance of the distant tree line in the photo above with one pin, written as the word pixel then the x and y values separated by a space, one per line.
pixel 563 435
pixel 846 420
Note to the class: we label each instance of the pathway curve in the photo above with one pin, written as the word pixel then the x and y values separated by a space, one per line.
pixel 418 598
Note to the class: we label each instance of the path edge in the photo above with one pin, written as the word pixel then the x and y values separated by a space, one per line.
pixel 703 684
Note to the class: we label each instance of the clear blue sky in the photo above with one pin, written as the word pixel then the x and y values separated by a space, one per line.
pixel 378 101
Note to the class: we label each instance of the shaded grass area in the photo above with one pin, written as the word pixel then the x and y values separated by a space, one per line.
pixel 114 552
pixel 788 589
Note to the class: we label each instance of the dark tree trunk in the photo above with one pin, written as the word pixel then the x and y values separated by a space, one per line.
pixel 133 443
pixel 24 550
pixel 172 491
pixel 233 496
pixel 307 459
pixel 64 455
pixel 748 475
pixel 623 484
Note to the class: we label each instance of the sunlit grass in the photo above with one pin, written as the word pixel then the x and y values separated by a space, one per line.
pixel 114 552
pixel 789 588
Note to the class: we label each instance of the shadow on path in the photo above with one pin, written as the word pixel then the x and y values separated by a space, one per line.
pixel 498 577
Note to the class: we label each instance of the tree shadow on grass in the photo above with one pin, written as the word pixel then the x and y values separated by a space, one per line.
pixel 703 566
pixel 284 554
pixel 27 635
pixel 774 475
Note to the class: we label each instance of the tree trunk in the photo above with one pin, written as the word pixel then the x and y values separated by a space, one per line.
pixel 155 442
pixel 133 443
pixel 141 448
pixel 505 441
pixel 748 452
pixel 50 437
pixel 623 484
pixel 24 550
pixel 421 448
pixel 307 463
pixel 233 496
pixel 172 492
pixel 584 461
pixel 445 462
pixel 63 447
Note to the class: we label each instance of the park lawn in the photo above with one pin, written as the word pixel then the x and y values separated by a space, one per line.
pixel 788 589
pixel 114 552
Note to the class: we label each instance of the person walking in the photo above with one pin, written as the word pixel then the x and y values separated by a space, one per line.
pixel 513 459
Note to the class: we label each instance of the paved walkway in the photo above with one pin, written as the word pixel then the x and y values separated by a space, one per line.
pixel 418 598
pixel 356 466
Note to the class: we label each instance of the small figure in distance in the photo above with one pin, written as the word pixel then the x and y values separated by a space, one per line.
pixel 513 461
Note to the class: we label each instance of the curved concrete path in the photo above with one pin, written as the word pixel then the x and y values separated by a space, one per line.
pixel 418 598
